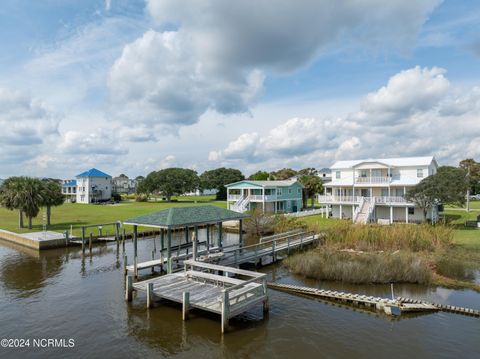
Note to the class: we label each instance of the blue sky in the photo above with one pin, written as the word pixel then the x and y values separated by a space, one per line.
pixel 134 86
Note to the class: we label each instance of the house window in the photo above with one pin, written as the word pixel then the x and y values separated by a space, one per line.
pixel 279 191
pixel 299 191
pixel 420 172
pixel 289 191
pixel 337 174
pixel 411 210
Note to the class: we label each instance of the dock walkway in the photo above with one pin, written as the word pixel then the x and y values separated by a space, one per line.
pixel 200 286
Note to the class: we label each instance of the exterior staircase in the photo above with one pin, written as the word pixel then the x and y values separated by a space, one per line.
pixel 241 205
pixel 364 213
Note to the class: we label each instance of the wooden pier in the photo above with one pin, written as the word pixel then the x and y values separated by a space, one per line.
pixel 395 306
pixel 269 248
pixel 200 286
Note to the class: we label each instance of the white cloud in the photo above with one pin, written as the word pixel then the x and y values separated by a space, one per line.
pixel 219 52
pixel 418 112
pixel 99 142
pixel 27 125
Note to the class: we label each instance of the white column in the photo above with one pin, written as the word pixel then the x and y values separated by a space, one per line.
pixel 406 214
pixel 391 214
pixel 263 199
pixel 341 211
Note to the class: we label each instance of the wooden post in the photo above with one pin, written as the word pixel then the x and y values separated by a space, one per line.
pixel 150 295
pixel 195 243
pixel 186 305
pixel 220 235
pixel 186 234
pixel 125 263
pixel 153 257
pixel 169 251
pixel 225 310
pixel 90 242
pixel 196 239
pixel 274 256
pixel 124 239
pixel 240 233
pixel 162 239
pixel 208 238
pixel 129 288
pixel 66 239
pixel 265 300
pixel 117 232
pixel 135 239
pixel 83 240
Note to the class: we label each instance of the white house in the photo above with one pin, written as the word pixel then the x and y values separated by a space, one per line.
pixel 373 190
pixel 123 184
pixel 94 186
pixel 69 189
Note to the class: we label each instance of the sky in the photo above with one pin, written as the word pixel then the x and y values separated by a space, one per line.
pixel 133 86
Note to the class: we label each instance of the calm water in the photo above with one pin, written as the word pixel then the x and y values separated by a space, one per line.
pixel 57 294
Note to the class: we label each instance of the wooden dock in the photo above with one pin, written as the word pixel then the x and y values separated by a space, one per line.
pixel 268 248
pixel 395 306
pixel 201 286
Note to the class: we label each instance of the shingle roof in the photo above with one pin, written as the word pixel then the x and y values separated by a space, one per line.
pixel 395 162
pixel 285 183
pixel 93 172
pixel 183 216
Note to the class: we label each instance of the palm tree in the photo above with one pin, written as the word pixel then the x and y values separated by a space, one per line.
pixel 52 196
pixel 11 196
pixel 32 198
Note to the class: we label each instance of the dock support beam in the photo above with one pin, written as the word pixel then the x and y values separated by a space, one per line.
pixel 225 311
pixel 135 260
pixel 186 306
pixel 150 295
pixel 169 251
pixel 240 233
pixel 129 288
pixel 220 235
pixel 208 238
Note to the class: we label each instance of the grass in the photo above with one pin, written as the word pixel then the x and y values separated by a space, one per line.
pixel 443 254
pixel 77 215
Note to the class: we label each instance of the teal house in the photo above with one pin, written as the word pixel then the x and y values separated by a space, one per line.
pixel 269 196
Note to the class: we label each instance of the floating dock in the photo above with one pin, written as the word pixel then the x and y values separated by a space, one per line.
pixel 201 286
pixel 395 306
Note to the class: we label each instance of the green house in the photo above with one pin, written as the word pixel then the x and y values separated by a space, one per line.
pixel 269 196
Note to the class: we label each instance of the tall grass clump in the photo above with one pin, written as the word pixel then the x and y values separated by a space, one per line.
pixel 325 264
pixel 368 238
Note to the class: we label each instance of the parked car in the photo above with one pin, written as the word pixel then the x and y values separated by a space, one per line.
pixel 475 197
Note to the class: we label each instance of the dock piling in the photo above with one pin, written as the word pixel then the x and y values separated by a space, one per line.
pixel 186 306
pixel 129 288
pixel 150 295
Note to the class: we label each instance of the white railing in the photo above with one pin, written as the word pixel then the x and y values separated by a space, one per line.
pixel 234 197
pixel 333 199
pixel 391 199
pixel 256 197
pixel 373 180
pixel 371 208
pixel 271 197
pixel 309 212
pixel 241 205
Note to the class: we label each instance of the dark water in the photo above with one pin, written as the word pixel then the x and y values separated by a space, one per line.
pixel 57 294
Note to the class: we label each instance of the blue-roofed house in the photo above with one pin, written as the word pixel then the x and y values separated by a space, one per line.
pixel 94 186
pixel 69 190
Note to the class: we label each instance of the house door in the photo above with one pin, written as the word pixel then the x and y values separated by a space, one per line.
pixel 365 192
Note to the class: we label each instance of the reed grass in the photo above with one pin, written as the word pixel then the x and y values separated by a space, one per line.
pixel 326 264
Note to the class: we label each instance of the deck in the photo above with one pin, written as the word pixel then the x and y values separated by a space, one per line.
pixel 200 286
pixel 269 247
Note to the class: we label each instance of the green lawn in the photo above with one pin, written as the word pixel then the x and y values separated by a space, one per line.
pixel 465 236
pixel 85 214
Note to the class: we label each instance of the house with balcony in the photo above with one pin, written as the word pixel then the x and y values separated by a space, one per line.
pixel 269 196
pixel 69 190
pixel 373 190
pixel 124 185
pixel 94 186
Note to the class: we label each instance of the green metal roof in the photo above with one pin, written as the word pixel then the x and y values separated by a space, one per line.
pixel 185 216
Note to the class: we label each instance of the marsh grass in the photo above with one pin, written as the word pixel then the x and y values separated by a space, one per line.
pixel 371 238
pixel 326 264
